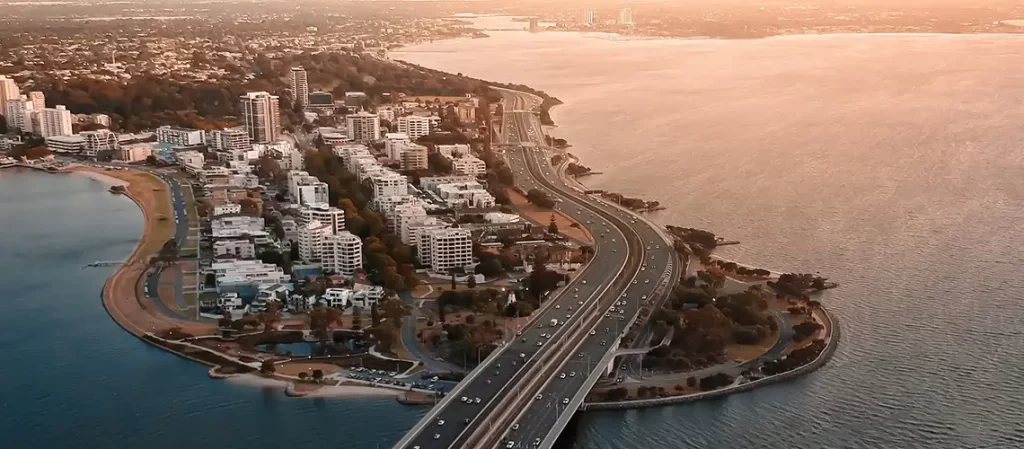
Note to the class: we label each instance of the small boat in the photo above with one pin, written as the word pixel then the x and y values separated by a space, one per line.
pixel 117 189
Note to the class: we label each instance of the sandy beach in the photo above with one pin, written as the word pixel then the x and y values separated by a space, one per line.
pixel 123 294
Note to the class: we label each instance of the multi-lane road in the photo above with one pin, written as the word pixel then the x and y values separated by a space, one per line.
pixel 632 261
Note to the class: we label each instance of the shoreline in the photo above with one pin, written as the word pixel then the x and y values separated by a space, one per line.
pixel 831 331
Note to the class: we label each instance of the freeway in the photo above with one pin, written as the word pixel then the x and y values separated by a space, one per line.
pixel 544 417
pixel 451 422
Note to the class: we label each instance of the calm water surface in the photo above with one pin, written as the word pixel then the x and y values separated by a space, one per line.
pixel 71 378
pixel 892 164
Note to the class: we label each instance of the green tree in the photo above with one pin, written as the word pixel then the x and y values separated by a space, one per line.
pixel 471 283
pixel 374 315
pixel 552 226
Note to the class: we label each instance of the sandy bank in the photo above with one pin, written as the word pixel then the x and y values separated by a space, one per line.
pixel 102 178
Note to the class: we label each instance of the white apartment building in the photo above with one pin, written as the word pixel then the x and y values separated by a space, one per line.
pixel 300 86
pixel 450 248
pixel 182 137
pixel 465 195
pixel 234 226
pixel 50 122
pixel 313 193
pixel 226 209
pixel 386 205
pixel 66 144
pixel 311 240
pixel 191 159
pixel 405 215
pixel 8 91
pixel 235 248
pixel 389 112
pixel 228 139
pixel 469 166
pixel 431 182
pixel 306 189
pixel 238 272
pixel 261 116
pixel 414 157
pixel 455 151
pixel 390 184
pixel 334 136
pixel 342 253
pixel 394 143
pixel 331 216
pixel 99 140
pixel 416 126
pixel 363 126
pixel 18 113
pixel 133 153
pixel 626 16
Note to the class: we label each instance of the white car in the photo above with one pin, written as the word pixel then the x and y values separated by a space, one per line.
pixel 540 343
pixel 510 444
pixel 437 436
pixel 565 401
pixel 440 422
pixel 540 396
pixel 515 426
pixel 561 376
pixel 476 400
pixel 592 332
pixel 647 281
pixel 572 374
pixel 643 297
pixel 463 399
pixel 557 306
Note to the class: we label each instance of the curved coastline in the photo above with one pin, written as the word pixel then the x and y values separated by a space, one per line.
pixel 831 344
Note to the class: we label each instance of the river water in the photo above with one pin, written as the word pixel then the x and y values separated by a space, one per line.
pixel 890 163
pixel 71 378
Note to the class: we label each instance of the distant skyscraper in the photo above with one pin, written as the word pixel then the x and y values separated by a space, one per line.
pixel 625 16
pixel 300 86
pixel 588 17
pixel 262 116
pixel 8 91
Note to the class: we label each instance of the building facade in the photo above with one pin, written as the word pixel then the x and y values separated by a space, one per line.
pixel 416 126
pixel 450 248
pixel 331 216
pixel 363 126
pixel 311 240
pixel 300 86
pixel 234 248
pixel 342 253
pixel 50 122
pixel 261 116
pixel 182 137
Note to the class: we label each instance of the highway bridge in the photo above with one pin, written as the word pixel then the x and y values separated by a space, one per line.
pixel 525 392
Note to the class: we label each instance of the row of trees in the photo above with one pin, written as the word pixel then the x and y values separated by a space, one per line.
pixel 540 199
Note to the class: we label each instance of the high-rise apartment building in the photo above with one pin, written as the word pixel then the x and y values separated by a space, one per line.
pixel 19 113
pixel 8 91
pixel 261 115
pixel 229 139
pixel 50 122
pixel 342 253
pixel 414 157
pixel 300 86
pixel 450 248
pixel 311 240
pixel 363 126
pixel 331 216
pixel 416 126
